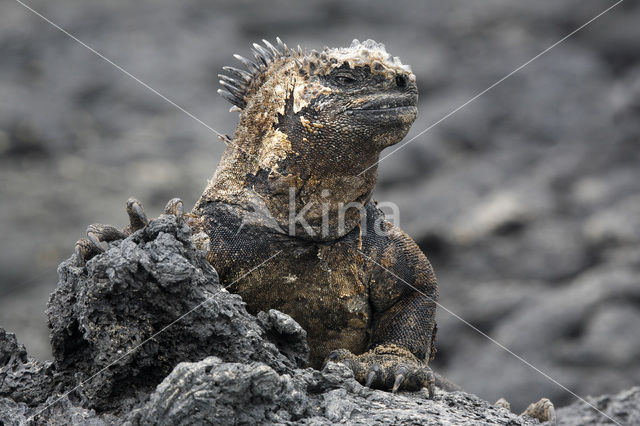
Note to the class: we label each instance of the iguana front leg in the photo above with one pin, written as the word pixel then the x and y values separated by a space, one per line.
pixel 97 233
pixel 403 294
pixel 388 367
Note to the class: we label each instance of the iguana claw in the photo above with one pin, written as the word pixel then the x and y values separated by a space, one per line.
pixel 85 249
pixel 398 381
pixel 98 234
pixel 175 207
pixel 387 367
pixel 137 217
pixel 375 371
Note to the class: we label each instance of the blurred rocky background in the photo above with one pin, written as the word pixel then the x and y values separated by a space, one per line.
pixel 527 200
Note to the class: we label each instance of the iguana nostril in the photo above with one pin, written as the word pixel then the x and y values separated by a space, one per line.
pixel 401 81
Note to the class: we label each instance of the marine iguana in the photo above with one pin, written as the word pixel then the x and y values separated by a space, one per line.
pixel 296 181
pixel 323 117
pixel 310 123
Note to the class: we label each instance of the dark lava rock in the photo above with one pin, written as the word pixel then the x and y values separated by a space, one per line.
pixel 126 318
pixel 583 345
pixel 144 333
pixel 22 378
pixel 622 407
pixel 214 392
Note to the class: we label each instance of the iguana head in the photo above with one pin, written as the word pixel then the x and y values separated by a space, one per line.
pixel 355 94
pixel 311 123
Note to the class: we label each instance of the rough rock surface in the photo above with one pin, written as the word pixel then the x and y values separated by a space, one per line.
pixel 622 407
pixel 22 377
pixel 147 303
pixel 213 392
pixel 144 333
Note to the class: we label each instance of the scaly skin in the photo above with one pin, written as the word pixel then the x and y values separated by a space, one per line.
pixel 312 126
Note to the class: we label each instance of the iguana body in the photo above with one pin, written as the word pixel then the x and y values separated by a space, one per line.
pixel 335 289
pixel 310 124
pixel 288 219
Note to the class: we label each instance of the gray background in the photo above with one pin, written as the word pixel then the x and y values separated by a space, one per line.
pixel 527 201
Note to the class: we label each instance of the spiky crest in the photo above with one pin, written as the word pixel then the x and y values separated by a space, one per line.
pixel 237 83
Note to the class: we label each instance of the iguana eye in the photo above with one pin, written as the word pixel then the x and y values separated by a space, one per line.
pixel 345 80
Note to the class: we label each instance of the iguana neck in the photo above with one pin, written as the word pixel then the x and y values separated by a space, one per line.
pixel 303 198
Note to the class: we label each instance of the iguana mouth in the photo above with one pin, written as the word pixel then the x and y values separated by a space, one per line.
pixel 387 103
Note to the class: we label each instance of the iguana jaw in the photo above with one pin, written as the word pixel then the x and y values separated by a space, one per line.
pixel 402 103
pixel 386 113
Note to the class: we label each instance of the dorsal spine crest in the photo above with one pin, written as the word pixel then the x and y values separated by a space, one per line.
pixel 238 84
